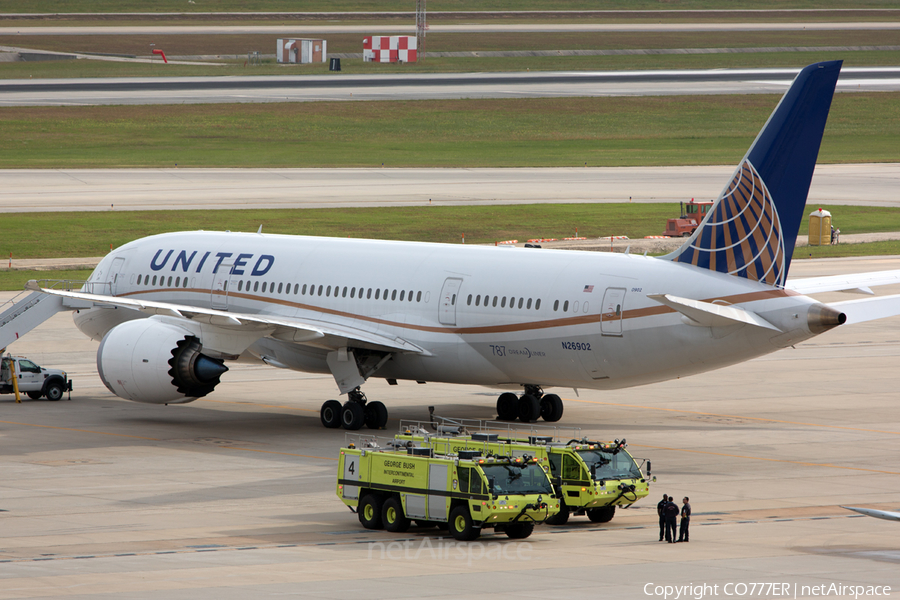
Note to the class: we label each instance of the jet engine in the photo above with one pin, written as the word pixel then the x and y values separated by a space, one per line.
pixel 157 362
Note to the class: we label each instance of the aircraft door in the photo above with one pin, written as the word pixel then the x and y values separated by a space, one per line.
pixel 449 298
pixel 115 274
pixel 611 311
pixel 219 292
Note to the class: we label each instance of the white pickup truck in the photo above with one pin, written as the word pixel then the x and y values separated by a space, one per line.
pixel 33 380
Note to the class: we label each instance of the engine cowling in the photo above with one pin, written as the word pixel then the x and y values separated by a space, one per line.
pixel 147 360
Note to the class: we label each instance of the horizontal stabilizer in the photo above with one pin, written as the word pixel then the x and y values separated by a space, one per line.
pixel 878 514
pixel 853 282
pixel 869 309
pixel 708 314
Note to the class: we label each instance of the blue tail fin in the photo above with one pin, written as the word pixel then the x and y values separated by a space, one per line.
pixel 751 230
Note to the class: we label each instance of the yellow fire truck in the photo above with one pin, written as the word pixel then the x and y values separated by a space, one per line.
pixel 465 491
pixel 592 477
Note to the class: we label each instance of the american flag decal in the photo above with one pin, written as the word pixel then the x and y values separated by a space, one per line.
pixel 588 288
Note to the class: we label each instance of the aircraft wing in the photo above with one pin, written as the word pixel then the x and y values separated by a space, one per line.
pixel 855 282
pixel 328 335
pixel 878 514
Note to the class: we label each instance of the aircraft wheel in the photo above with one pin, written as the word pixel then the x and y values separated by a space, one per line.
pixel 353 415
pixel 529 408
pixel 508 407
pixel 551 408
pixel 376 415
pixel 601 515
pixel 330 414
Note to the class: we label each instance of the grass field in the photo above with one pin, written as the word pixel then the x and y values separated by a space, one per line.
pixel 79 234
pixel 668 130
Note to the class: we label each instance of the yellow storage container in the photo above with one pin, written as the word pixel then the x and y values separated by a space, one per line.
pixel 819 228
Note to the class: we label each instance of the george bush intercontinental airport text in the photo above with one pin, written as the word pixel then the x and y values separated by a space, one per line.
pixel 765 590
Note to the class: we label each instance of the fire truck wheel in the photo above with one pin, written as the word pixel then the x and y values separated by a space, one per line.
pixel 508 407
pixel 392 516
pixel 519 531
pixel 55 391
pixel 34 395
pixel 529 408
pixel 330 414
pixel 369 511
pixel 353 415
pixel 551 408
pixel 461 527
pixel 560 518
pixel 601 515
pixel 376 415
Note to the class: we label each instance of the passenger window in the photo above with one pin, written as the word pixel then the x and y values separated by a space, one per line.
pixel 503 302
pixel 178 282
pixel 410 295
pixel 240 286
pixel 520 302
pixel 556 306
pixel 537 304
pixel 255 286
pixel 328 291
pixel 369 294
pixel 320 290
pixel 419 297
pixel 469 300
pixel 224 286
pixel 528 306
pixel 303 290
pixel 344 293
pixel 385 294
pixel 297 288
pixel 184 283
pixel 394 295
pixel 566 306
pixel 453 300
pixel 402 295
pixel 139 280
pixel 170 281
pixel 494 303
pixel 478 300
pixel 353 292
pixel 264 287
pixel 575 306
pixel 378 293
pixel 280 287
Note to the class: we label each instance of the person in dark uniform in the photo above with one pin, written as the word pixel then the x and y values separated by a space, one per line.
pixel 660 510
pixel 683 534
pixel 671 512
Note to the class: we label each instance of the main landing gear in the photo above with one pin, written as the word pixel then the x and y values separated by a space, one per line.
pixel 354 413
pixel 532 404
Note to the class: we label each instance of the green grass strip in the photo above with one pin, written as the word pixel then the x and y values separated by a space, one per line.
pixel 541 132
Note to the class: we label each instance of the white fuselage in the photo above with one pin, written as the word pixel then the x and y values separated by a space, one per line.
pixel 485 315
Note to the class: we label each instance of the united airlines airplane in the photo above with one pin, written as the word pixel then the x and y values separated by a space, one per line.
pixel 172 310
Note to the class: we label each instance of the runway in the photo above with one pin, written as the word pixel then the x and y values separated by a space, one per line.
pixel 409 28
pixel 233 496
pixel 42 190
pixel 339 87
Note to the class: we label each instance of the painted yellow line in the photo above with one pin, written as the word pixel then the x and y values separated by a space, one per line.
pixel 709 414
pixel 137 437
pixel 780 460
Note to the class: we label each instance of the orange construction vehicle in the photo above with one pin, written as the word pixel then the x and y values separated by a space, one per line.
pixel 692 213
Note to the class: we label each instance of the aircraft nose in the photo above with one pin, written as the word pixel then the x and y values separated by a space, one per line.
pixel 822 317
